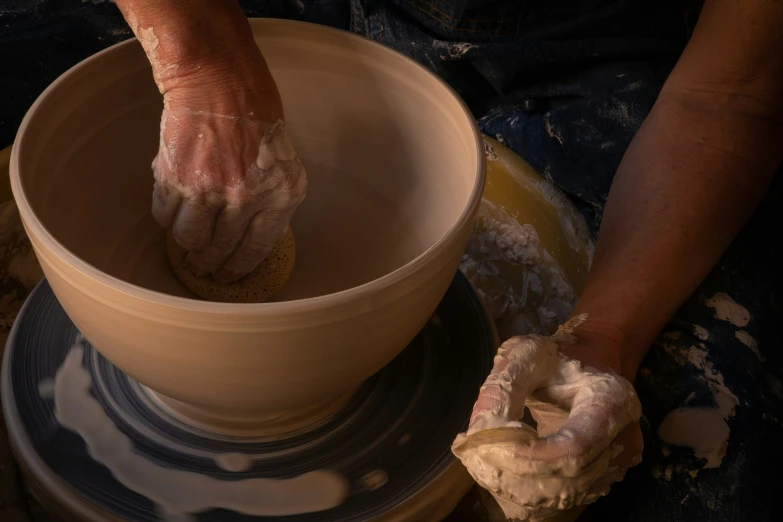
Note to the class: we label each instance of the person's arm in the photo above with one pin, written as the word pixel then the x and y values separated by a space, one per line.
pixel 208 42
pixel 691 178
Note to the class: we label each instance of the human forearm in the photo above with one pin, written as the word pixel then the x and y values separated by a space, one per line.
pixel 188 30
pixel 207 44
pixel 690 179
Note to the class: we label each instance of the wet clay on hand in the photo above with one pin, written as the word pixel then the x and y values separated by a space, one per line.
pixel 568 459
pixel 259 286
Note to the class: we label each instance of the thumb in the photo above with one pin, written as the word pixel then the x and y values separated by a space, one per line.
pixel 522 365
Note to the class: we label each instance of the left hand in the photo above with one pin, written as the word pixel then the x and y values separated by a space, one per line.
pixel 587 432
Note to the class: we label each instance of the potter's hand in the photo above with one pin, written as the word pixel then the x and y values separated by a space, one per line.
pixel 587 431
pixel 227 178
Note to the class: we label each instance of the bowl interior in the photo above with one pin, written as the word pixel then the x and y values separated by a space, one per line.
pixel 390 153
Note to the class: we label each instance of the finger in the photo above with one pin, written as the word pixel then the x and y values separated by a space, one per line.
pixel 568 381
pixel 540 495
pixel 194 224
pixel 549 417
pixel 230 227
pixel 629 445
pixel 165 204
pixel 604 405
pixel 522 365
pixel 264 231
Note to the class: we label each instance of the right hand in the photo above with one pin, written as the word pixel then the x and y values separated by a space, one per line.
pixel 227 178
pixel 587 432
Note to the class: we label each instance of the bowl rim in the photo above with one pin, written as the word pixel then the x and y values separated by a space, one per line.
pixel 309 304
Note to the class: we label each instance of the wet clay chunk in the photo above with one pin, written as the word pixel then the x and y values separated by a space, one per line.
pixel 259 286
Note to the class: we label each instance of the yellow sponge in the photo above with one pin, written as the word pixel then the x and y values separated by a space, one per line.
pixel 260 285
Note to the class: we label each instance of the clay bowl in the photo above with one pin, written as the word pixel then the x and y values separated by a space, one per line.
pixel 396 170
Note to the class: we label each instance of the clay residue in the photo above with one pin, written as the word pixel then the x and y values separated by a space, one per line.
pixel 178 494
pixel 623 113
pixel 523 287
pixel 234 462
pixel 489 152
pixel 374 480
pixel 452 50
pixel 46 388
pixel 726 309
pixel 701 332
pixel 725 401
pixel 574 228
pixel 550 130
pixel 150 42
pixel 702 429
pixel 661 474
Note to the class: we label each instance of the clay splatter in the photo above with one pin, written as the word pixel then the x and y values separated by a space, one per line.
pixel 78 411
pixel 489 152
pixel 704 430
pixel 373 480
pixel 701 332
pixel 550 130
pixel 234 462
pixel 453 50
pixel 726 309
pixel 46 388
pixel 539 298
pixel 682 427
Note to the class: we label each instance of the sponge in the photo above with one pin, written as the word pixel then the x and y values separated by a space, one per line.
pixel 260 285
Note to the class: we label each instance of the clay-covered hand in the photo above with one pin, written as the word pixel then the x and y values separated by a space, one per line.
pixel 586 436
pixel 227 177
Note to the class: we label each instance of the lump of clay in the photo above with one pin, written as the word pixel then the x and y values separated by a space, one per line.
pixel 259 286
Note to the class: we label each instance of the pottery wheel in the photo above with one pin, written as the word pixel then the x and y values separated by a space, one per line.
pixel 391 440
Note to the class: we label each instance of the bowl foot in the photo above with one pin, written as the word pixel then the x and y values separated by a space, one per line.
pixel 262 425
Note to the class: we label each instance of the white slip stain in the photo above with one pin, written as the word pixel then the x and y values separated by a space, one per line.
pixel 374 480
pixel 726 404
pixel 704 430
pixel 550 130
pixel 234 462
pixel 726 309
pixel 701 332
pixel 180 494
pixel 489 152
pixel 454 50
pixel 524 289
pixel 46 388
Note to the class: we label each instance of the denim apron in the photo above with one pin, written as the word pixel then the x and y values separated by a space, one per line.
pixel 565 84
